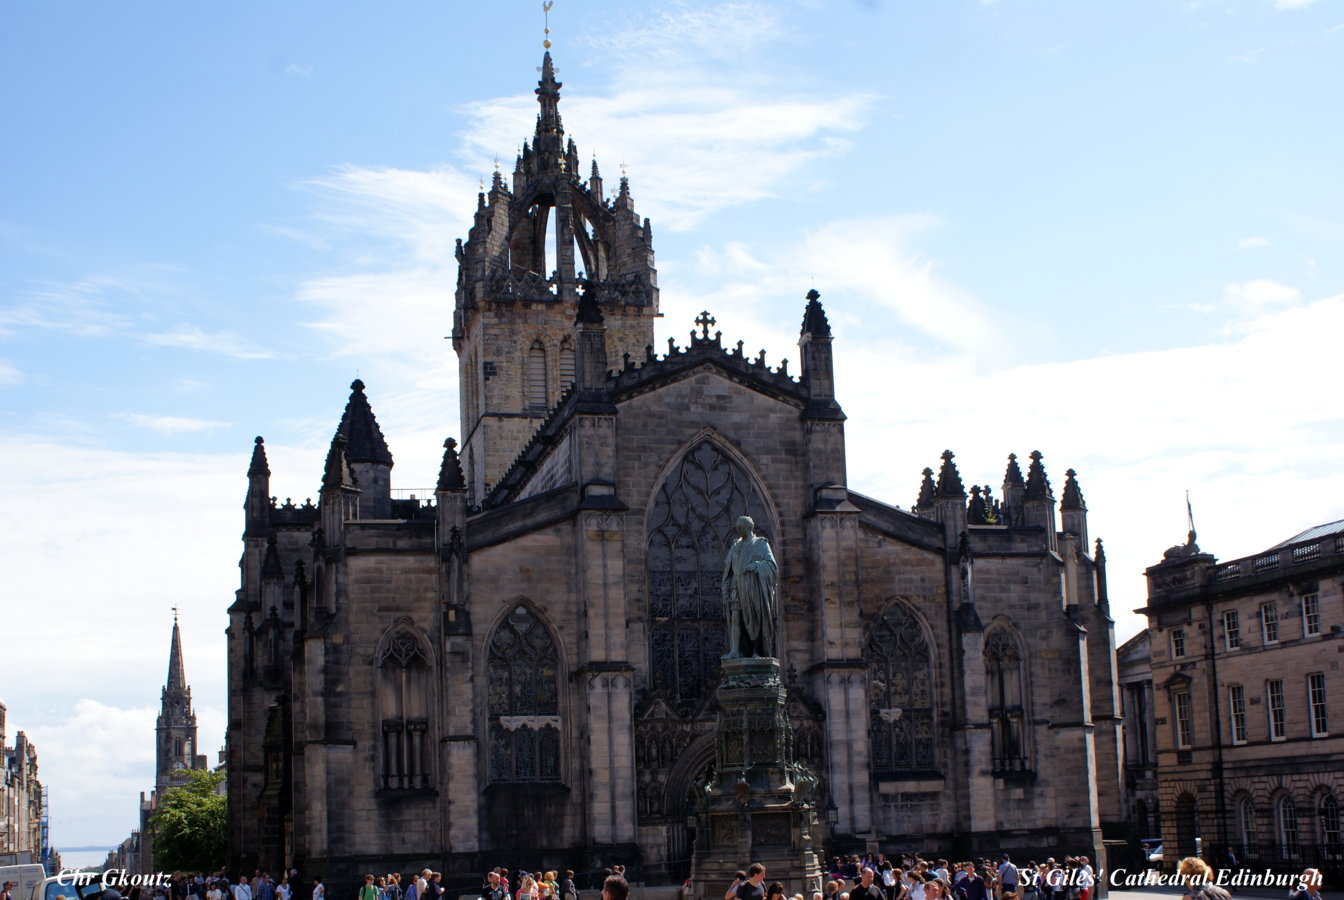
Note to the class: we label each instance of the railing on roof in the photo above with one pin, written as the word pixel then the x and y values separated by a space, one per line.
pixel 1283 557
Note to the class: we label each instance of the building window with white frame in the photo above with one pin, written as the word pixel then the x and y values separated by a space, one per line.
pixel 1320 725
pixel 1269 623
pixel 1183 718
pixel 1285 815
pixel 1236 700
pixel 1246 824
pixel 1278 729
pixel 1178 643
pixel 1232 629
pixel 1311 614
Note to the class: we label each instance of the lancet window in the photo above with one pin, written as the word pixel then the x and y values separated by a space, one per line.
pixel 536 376
pixel 1006 683
pixel 404 669
pixel 690 529
pixel 523 668
pixel 900 688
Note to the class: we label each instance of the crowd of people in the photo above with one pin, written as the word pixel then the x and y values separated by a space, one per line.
pixel 913 878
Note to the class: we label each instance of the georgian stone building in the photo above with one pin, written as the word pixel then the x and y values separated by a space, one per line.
pixel 21 799
pixel 1250 727
pixel 522 672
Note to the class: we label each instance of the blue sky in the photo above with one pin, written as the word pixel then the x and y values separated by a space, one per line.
pixel 1109 231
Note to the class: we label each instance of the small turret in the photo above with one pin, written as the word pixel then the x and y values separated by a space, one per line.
pixel 368 455
pixel 1014 492
pixel 814 342
pixel 340 491
pixel 590 339
pixel 951 500
pixel 257 506
pixel 1103 595
pixel 1073 510
pixel 928 493
pixel 1039 502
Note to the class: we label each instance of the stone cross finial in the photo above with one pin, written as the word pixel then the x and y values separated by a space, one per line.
pixel 704 320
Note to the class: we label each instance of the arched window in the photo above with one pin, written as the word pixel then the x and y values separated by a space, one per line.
pixel 1285 820
pixel 900 690
pixel 523 669
pixel 1246 826
pixel 1006 684
pixel 566 362
pixel 690 528
pixel 403 663
pixel 1327 817
pixel 535 382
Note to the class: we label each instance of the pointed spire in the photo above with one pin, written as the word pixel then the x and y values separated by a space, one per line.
pixel 1038 486
pixel 271 570
pixel 1073 497
pixel 549 139
pixel 259 465
pixel 927 491
pixel 450 473
pixel 1100 555
pixel 976 511
pixel 177 671
pixel 337 474
pixel 362 434
pixel 814 317
pixel 949 480
pixel 1013 476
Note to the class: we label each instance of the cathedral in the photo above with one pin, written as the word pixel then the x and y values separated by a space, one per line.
pixel 522 672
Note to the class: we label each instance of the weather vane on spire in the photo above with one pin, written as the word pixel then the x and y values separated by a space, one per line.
pixel 174 615
pixel 546 15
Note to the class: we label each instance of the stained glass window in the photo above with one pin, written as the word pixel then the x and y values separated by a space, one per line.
pixel 900 690
pixel 690 528
pixel 524 702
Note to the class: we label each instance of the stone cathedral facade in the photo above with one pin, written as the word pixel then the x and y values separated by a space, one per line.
pixel 522 671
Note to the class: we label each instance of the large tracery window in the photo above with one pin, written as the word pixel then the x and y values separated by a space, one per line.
pixel 900 690
pixel 690 528
pixel 403 698
pixel 524 700
pixel 1006 684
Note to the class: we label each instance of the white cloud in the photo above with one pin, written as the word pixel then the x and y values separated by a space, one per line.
pixel 1253 297
pixel 10 376
pixel 1250 56
pixel 1253 243
pixel 1292 4
pixel 191 337
pixel 172 424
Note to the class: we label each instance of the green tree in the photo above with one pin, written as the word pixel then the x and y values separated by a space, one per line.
pixel 191 831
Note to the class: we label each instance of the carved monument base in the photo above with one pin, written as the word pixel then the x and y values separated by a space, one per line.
pixel 759 804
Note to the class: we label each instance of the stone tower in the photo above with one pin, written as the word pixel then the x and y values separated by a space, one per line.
pixel 175 740
pixel 534 248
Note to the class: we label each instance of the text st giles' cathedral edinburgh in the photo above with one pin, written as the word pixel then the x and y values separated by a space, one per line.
pixel 530 666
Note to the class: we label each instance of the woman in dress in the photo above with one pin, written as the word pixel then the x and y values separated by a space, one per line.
pixel 527 889
pixel 282 890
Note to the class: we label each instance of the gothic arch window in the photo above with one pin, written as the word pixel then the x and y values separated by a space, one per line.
pixel 535 376
pixel 523 670
pixel 900 689
pixel 403 672
pixel 1285 826
pixel 1006 683
pixel 690 528
pixel 1328 824
pixel 566 362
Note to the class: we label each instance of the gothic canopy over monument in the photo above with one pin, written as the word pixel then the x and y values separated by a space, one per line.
pixel 526 667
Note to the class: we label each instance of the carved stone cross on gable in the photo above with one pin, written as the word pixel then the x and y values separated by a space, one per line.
pixel 704 320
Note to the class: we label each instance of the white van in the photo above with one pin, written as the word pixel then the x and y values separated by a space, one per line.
pixel 25 877
pixel 69 885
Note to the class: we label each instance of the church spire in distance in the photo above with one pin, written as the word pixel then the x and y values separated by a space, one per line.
pixel 177 672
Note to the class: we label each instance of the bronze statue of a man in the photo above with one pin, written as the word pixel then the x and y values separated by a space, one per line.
pixel 749 577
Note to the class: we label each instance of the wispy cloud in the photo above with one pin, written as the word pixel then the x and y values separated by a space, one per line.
pixel 1250 56
pixel 1292 4
pixel 1253 243
pixel 191 337
pixel 10 376
pixel 172 424
pixel 1254 297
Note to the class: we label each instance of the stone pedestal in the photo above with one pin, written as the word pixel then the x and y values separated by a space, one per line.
pixel 759 804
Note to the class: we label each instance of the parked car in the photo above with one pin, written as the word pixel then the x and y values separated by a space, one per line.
pixel 1152 849
pixel 71 886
